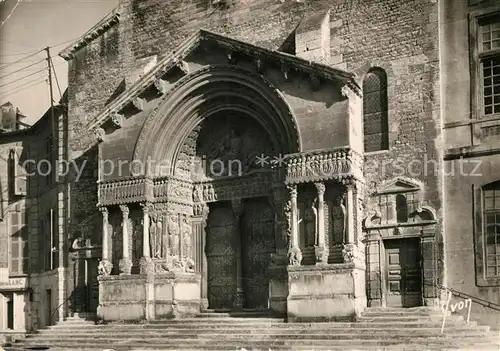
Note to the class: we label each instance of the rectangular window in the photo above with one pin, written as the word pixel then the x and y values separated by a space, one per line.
pixel 19 255
pixel 489 61
pixel 492 231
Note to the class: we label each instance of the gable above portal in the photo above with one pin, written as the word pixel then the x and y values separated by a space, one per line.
pixel 291 67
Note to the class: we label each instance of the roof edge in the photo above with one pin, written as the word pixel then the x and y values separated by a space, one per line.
pixel 96 31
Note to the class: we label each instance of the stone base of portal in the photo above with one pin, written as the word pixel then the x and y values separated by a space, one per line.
pixel 149 297
pixel 333 292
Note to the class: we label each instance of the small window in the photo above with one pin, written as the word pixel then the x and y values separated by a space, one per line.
pixel 375 114
pixel 401 209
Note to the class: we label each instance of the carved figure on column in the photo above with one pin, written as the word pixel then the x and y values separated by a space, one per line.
pixel 288 219
pixel 311 220
pixel 187 232
pixel 173 233
pixel 339 216
pixel 155 233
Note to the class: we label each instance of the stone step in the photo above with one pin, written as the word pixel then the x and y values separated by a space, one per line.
pixel 249 337
pixel 236 329
pixel 289 348
pixel 264 343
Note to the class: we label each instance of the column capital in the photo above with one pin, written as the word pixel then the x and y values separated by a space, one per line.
pixel 321 187
pixel 292 188
pixel 147 207
pixel 104 210
pixel 125 210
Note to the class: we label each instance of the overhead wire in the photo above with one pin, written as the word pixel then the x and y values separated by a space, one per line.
pixel 26 83
pixel 10 93
pixel 24 77
pixel 20 69
pixel 21 59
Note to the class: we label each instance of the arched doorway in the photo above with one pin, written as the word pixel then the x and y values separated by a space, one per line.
pixel 213 129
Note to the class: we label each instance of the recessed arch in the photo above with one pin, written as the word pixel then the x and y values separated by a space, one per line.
pixel 199 95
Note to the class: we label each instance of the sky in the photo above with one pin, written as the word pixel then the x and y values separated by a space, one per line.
pixel 27 27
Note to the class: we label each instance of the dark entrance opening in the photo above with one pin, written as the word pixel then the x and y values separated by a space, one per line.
pixel 10 312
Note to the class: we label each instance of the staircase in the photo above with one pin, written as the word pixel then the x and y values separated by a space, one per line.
pixel 376 329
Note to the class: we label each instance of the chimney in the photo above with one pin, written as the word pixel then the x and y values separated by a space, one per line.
pixel 21 121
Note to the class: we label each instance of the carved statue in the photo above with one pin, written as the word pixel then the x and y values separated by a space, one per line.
pixel 153 235
pixel 211 194
pixel 104 268
pixel 339 216
pixel 294 256
pixel 197 194
pixel 186 236
pixel 311 220
pixel 173 232
pixel 161 266
pixel 347 254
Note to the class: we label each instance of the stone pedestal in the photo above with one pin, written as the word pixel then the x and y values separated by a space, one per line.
pixel 331 292
pixel 278 288
pixel 149 296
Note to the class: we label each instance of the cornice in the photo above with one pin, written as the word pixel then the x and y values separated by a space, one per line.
pixel 95 32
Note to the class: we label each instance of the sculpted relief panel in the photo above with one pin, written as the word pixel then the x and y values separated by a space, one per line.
pixel 223 145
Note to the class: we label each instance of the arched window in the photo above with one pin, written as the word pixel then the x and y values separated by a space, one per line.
pixel 375 124
pixel 491 231
pixel 401 209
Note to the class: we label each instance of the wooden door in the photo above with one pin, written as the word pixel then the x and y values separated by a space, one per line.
pixel 258 244
pixel 221 258
pixel 402 273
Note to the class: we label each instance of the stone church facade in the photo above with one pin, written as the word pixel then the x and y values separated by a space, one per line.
pixel 279 156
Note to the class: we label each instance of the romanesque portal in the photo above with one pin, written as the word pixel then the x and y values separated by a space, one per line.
pixel 239 219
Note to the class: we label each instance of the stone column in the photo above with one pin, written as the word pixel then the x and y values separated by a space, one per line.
pixel 429 267
pixel 145 262
pixel 125 262
pixel 200 216
pixel 294 253
pixel 350 215
pixel 321 249
pixel 238 302
pixel 392 213
pixel 106 265
pixel 374 276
